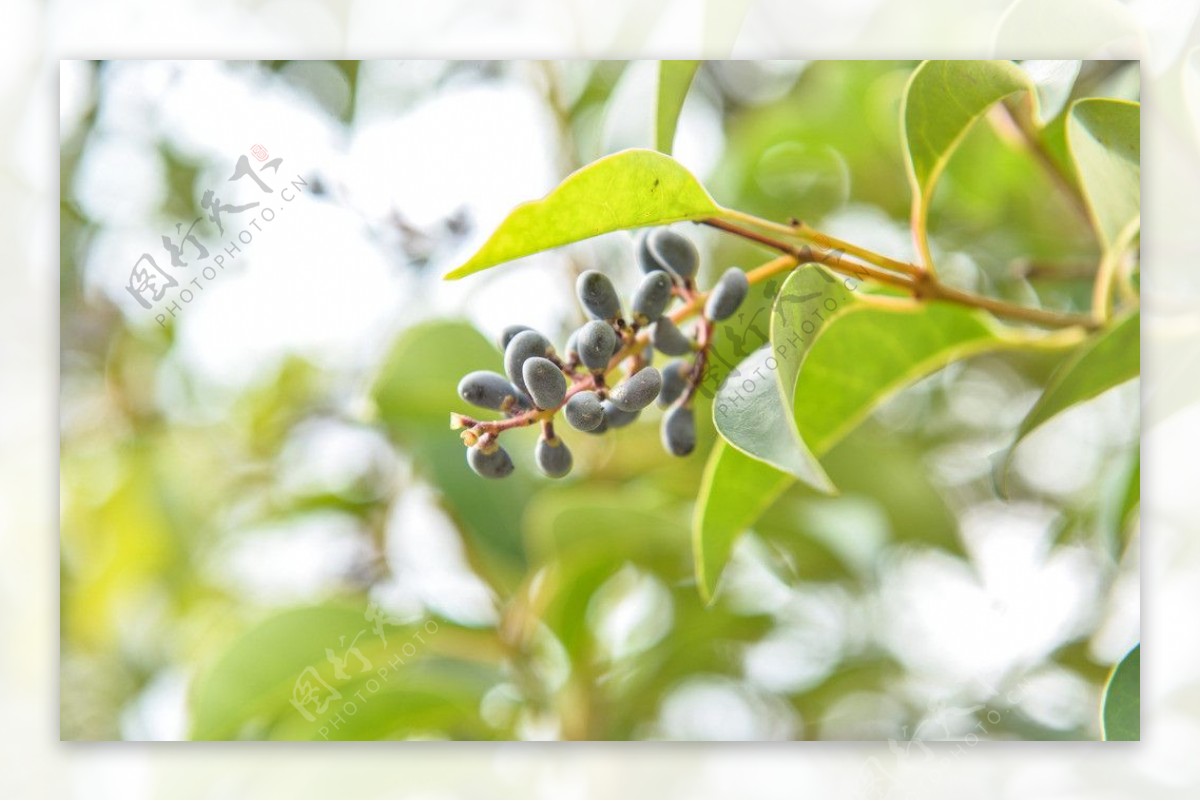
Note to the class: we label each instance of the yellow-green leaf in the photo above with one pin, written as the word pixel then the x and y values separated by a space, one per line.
pixel 1111 357
pixel 736 489
pixel 835 355
pixel 942 101
pixel 1104 137
pixel 674 79
pixel 631 189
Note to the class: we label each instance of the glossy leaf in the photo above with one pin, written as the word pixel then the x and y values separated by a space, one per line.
pixel 1121 717
pixel 1108 359
pixel 942 101
pixel 631 189
pixel 674 79
pixel 1104 137
pixel 835 355
pixel 753 412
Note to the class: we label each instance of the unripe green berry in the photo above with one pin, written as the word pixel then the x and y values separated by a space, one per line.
pixel 727 295
pixel 637 391
pixel 545 381
pixel 553 457
pixel 584 411
pixel 523 346
pixel 667 338
pixel 679 431
pixel 651 297
pixel 598 296
pixel 489 390
pixel 596 342
pixel 674 382
pixel 490 461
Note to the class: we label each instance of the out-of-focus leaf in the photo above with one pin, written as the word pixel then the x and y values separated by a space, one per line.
pixel 835 356
pixel 1054 81
pixel 674 79
pixel 1104 137
pixel 252 682
pixel 1121 717
pixel 295 676
pixel 889 471
pixel 1118 498
pixel 414 393
pixel 631 189
pixel 436 698
pixel 941 102
pixel 1108 359
pixel 830 141
pixel 583 538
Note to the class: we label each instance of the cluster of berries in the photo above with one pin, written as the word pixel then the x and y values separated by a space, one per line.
pixel 539 381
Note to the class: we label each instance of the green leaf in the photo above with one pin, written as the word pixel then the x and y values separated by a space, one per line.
pixel 753 412
pixel 393 680
pixel 674 78
pixel 251 684
pixel 1111 357
pixel 1104 137
pixel 631 189
pixel 1121 718
pixel 414 393
pixel 835 355
pixel 942 101
pixel 736 489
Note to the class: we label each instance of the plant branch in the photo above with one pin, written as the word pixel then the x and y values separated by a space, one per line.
pixel 925 286
pixel 807 233
pixel 830 258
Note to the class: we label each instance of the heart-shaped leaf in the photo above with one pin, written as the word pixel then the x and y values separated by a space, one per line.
pixel 631 189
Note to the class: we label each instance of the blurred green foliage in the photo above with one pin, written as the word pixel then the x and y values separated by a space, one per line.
pixel 596 630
